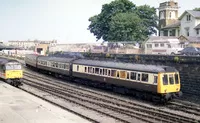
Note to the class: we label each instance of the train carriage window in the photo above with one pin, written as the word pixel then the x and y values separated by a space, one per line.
pixel 86 69
pixel 123 74
pixel 77 67
pixel 90 70
pixel 133 75
pixel 128 75
pixel 138 76
pixel 145 77
pixel 113 73
pixel 97 70
pixel 108 72
pixel 66 66
pixel 165 80
pixel 176 79
pixel 171 79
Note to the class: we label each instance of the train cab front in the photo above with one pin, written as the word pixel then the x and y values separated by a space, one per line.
pixel 14 74
pixel 169 85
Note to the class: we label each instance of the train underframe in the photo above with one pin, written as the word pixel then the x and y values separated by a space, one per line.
pixel 15 82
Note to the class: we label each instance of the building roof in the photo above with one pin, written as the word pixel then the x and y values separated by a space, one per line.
pixel 190 39
pixel 195 14
pixel 173 25
pixel 197 27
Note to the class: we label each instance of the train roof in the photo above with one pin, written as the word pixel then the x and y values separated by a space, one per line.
pixel 56 59
pixel 126 66
pixel 5 60
pixel 31 56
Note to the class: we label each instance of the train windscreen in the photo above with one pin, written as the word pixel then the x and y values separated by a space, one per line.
pixel 13 66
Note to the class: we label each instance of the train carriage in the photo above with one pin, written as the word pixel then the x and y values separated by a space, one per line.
pixel 11 71
pixel 55 65
pixel 161 80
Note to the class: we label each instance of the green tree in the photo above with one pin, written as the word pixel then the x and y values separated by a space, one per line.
pixel 124 27
pixel 149 19
pixel 196 9
pixel 121 20
pixel 100 26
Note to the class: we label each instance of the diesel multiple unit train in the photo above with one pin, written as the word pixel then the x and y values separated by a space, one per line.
pixel 160 81
pixel 11 71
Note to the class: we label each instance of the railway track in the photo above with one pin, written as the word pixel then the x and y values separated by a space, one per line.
pixel 185 107
pixel 123 108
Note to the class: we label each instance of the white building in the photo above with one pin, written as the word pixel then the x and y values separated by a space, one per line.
pixel 190 23
pixel 163 45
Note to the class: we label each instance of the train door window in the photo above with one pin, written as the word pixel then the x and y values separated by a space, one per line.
pixel 62 66
pixel 133 75
pixel 104 71
pixel 108 72
pixel 138 76
pixel 97 70
pixel 117 74
pixel 155 80
pixel 101 71
pixel 56 64
pixel 77 67
pixel 145 77
pixel 176 79
pixel 127 75
pixel 51 64
pixel 171 79
pixel 93 70
pixel 165 80
pixel 45 63
pixel 123 74
pixel 113 73
pixel 85 69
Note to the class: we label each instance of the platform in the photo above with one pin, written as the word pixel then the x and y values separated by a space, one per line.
pixel 17 106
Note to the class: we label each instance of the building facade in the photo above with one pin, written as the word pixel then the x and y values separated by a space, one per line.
pixel 168 14
pixel 190 23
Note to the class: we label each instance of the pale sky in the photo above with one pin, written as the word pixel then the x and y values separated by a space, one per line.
pixel 63 20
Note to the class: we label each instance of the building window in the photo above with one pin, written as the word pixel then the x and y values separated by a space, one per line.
pixel 187 32
pixel 162 15
pixel 197 31
pixel 170 15
pixel 156 45
pixel 149 45
pixel 188 17
pixel 162 45
pixel 170 33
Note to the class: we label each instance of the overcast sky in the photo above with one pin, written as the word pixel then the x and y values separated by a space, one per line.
pixel 62 20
